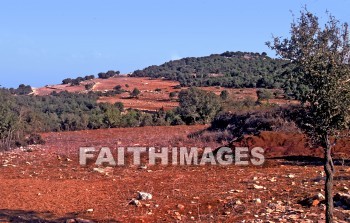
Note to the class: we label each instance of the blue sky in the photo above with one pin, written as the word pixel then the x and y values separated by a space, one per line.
pixel 43 42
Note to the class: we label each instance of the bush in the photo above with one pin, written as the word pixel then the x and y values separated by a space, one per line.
pixel 197 106
pixel 109 74
pixel 23 90
pixel 89 86
pixel 224 95
pixel 172 94
pixel 35 139
pixel 273 119
pixel 119 106
pixel 263 94
pixel 135 93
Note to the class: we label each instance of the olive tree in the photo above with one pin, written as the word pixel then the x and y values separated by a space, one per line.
pixel 197 106
pixel 321 58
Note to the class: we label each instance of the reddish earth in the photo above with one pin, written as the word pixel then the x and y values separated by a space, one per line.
pixel 149 99
pixel 46 183
pixel 277 144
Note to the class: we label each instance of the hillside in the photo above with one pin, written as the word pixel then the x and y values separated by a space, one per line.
pixel 229 69
pixel 154 92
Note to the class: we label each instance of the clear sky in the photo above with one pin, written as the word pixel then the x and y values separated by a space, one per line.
pixel 43 42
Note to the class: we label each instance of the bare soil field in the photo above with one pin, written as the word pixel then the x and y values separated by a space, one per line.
pixel 46 183
pixel 150 99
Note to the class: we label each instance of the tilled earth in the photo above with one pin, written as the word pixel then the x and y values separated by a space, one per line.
pixel 47 184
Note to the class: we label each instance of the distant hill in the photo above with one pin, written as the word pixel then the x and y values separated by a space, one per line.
pixel 229 69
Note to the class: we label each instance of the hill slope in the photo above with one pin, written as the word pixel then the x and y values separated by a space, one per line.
pixel 230 69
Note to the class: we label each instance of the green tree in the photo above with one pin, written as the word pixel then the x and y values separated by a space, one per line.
pixel 135 93
pixel 321 55
pixel 263 94
pixel 224 95
pixel 198 106
pixel 172 95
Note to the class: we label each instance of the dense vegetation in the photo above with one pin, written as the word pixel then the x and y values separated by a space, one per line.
pixel 22 116
pixel 230 69
pixel 109 74
pixel 76 81
pixel 21 90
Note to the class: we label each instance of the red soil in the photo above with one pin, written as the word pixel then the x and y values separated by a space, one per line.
pixel 277 144
pixel 47 183
pixel 149 99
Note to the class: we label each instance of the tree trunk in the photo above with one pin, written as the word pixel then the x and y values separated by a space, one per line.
pixel 329 170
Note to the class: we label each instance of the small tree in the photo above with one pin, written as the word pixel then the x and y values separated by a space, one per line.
pixel 119 106
pixel 321 57
pixel 224 95
pixel 198 106
pixel 66 81
pixel 172 95
pixel 89 86
pixel 118 88
pixel 135 93
pixel 263 94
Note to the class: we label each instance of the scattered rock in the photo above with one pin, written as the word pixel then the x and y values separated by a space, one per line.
pixel 291 176
pixel 273 179
pixel 180 207
pixel 143 167
pixel 257 201
pixel 238 202
pixel 80 220
pixel 258 187
pixel 99 170
pixel 144 196
pixel 135 202
pixel 320 196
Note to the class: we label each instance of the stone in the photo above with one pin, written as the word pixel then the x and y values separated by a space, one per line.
pixel 257 187
pixel 238 202
pixel 291 176
pixel 180 207
pixel 144 196
pixel 257 201
pixel 80 220
pixel 135 202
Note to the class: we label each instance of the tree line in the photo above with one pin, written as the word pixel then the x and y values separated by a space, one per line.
pixel 229 69
pixel 22 116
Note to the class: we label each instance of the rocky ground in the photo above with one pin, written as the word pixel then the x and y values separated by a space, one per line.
pixel 47 184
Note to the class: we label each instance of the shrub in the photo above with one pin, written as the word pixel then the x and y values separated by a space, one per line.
pixel 197 106
pixel 172 94
pixel 263 94
pixel 89 86
pixel 224 95
pixel 135 93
